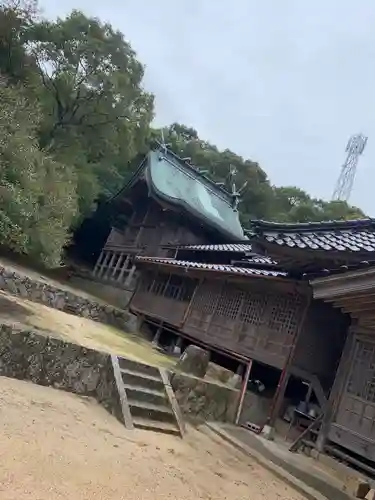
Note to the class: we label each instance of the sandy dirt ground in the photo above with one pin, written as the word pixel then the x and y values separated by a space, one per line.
pixel 55 445
pixel 25 314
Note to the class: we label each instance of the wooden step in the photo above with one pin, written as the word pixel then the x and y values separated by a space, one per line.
pixel 151 411
pixel 136 366
pixel 156 426
pixel 138 393
pixel 141 379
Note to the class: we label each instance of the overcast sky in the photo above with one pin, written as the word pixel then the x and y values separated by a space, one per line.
pixel 282 82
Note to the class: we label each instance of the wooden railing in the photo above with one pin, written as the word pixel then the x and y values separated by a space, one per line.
pixel 113 265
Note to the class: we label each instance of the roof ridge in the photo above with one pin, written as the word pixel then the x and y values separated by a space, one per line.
pixel 193 168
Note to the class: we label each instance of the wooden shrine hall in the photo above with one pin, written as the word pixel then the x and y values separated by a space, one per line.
pixel 166 202
pixel 246 307
pixel 296 298
pixel 338 258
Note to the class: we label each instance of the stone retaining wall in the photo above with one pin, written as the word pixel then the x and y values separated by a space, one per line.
pixel 204 400
pixel 50 295
pixel 48 361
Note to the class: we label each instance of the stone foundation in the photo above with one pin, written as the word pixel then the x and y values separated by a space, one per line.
pixel 203 400
pixel 110 294
pixel 64 300
pixel 256 408
pixel 48 361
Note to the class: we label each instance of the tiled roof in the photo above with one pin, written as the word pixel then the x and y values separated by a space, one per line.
pixel 259 259
pixel 343 236
pixel 225 247
pixel 213 267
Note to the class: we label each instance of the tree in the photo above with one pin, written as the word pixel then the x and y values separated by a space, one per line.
pixel 96 114
pixel 38 199
pixel 15 19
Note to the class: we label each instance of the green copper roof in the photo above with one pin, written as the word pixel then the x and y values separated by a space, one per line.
pixel 183 186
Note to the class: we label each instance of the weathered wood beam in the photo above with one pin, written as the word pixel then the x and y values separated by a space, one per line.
pixel 243 391
pixel 359 308
pixel 118 263
pixel 347 299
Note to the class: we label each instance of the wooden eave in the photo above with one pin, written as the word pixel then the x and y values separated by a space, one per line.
pixel 279 282
pixel 352 292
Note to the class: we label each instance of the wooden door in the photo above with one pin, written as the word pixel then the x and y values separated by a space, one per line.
pixel 202 309
pixel 354 422
pixel 223 323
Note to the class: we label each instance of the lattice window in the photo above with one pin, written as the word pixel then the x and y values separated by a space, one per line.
pixel 361 381
pixel 284 313
pixel 160 284
pixel 229 303
pixel 173 287
pixel 206 298
pixel 188 288
pixel 253 309
pixel 146 282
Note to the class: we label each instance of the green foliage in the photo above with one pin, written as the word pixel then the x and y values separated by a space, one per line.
pixel 15 19
pixel 92 118
pixel 295 205
pixel 96 114
pixel 38 199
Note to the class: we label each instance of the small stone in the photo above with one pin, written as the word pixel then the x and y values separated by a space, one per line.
pixel 268 433
pixel 11 286
pixel 194 360
pixel 22 290
pixel 362 489
pixel 2 283
pixel 370 495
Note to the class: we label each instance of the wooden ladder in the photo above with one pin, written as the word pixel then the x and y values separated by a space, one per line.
pixel 146 397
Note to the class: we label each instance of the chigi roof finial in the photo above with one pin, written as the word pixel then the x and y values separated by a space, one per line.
pixel 236 193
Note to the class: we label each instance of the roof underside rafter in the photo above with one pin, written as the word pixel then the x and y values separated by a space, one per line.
pixel 352 292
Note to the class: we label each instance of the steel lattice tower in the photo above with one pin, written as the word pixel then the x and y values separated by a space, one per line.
pixel 344 185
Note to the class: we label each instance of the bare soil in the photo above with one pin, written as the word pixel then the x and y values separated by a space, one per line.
pixel 24 314
pixel 55 445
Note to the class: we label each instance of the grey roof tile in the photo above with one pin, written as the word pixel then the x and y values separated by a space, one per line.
pixel 221 247
pixel 213 267
pixel 344 236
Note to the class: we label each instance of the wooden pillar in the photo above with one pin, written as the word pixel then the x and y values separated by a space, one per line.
pixel 176 346
pixel 243 390
pixel 130 276
pixel 240 370
pixel 98 263
pixel 118 263
pixel 123 269
pixel 279 396
pixel 104 263
pixel 155 340
pixel 110 264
